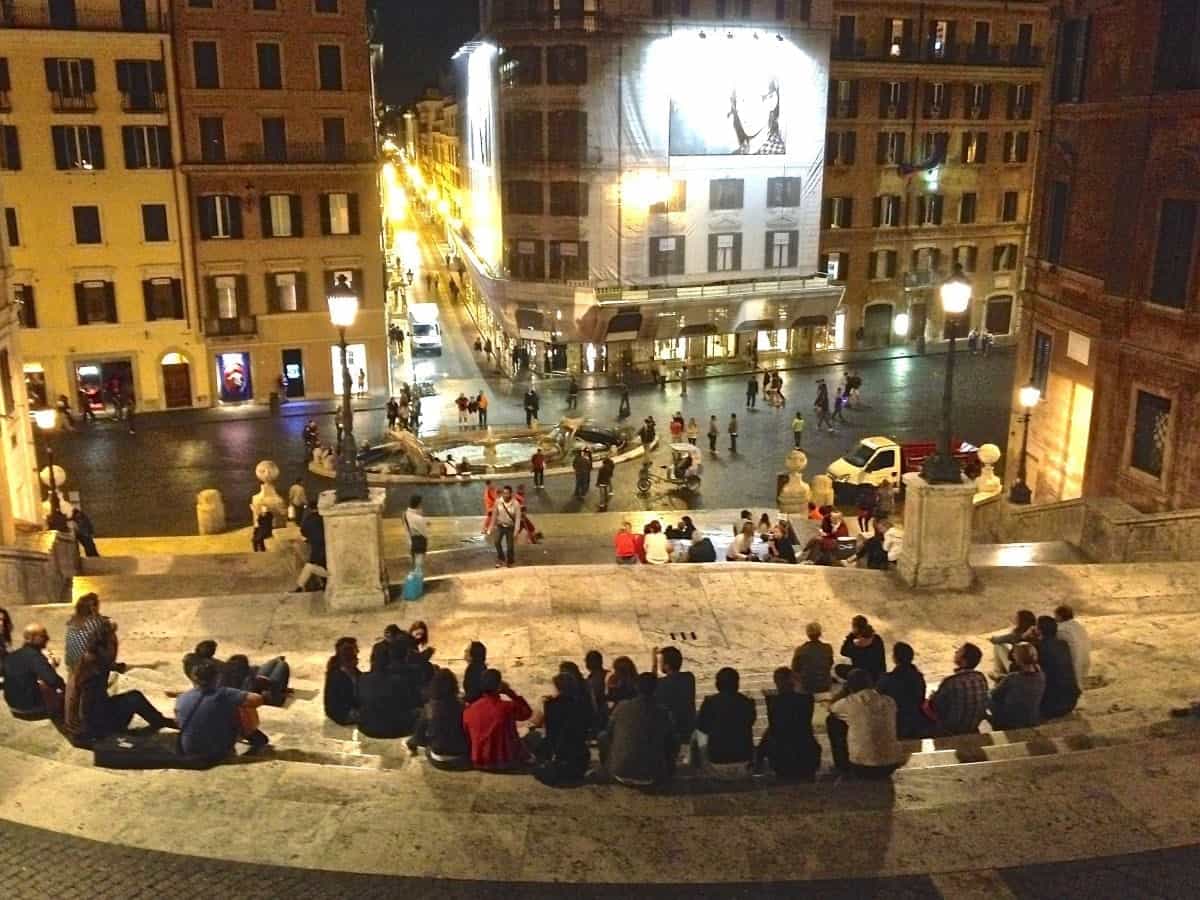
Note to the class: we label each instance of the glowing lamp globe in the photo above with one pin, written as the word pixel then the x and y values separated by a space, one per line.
pixel 1029 396
pixel 45 419
pixel 900 324
pixel 343 304
pixel 955 293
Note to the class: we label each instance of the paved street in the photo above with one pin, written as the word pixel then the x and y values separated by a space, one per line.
pixel 145 483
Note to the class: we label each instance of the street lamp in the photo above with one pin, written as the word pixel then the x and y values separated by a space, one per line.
pixel 351 480
pixel 955 294
pixel 46 421
pixel 1019 492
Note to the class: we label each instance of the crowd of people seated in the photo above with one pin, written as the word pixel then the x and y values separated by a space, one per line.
pixel 638 720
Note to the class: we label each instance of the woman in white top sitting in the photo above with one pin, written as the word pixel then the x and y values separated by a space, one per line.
pixel 742 546
pixel 657 547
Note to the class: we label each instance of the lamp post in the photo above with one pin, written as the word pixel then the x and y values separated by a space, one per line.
pixel 1020 492
pixel 46 421
pixel 942 467
pixel 351 480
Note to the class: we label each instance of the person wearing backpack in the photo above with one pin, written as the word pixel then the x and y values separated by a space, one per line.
pixel 212 718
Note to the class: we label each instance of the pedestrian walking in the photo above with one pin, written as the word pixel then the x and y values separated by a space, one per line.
pixel 506 515
pixel 648 432
pixel 777 388
pixel 733 432
pixel 463 404
pixel 572 393
pixel 481 407
pixel 604 480
pixel 766 379
pixel 85 531
pixel 973 341
pixel 714 430
pixel 264 528
pixel 623 408
pixel 362 383
pixel 693 431
pixel 297 501
pixel 798 430
pixel 532 404
pixel 129 408
pixel 839 403
pixel 393 412
pixel 885 500
pixel 683 378
pixel 537 465
pixel 985 342
pixel 752 392
pixel 676 427
pixel 478 347
pixel 337 423
pixel 868 499
pixel 582 465
pixel 311 435
pixel 821 405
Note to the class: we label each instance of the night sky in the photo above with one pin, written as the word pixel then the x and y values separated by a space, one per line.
pixel 418 37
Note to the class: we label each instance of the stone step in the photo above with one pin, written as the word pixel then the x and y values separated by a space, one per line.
pixel 278 562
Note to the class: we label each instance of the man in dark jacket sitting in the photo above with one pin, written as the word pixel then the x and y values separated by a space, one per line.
pixel 1062 690
pixel 31 686
pixel 727 720
pixel 639 746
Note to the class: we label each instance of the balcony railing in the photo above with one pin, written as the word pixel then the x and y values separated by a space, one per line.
pixel 5 102
pixel 293 154
pixel 242 325
pixel 83 102
pixel 149 102
pixel 67 16
pixel 730 290
pixel 887 50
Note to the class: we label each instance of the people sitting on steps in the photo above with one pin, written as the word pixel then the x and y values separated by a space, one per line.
pixel 33 689
pixel 491 725
pixel 864 648
pixel 960 702
pixel 341 682
pixel 861 727
pixel 212 717
pixel 724 740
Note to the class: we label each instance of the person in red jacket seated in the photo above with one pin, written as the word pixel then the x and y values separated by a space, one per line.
pixel 491 725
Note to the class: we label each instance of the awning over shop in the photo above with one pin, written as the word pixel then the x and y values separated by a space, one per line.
pixel 755 325
pixel 624 326
pixel 806 310
pixel 700 328
pixel 818 308
pixel 531 324
pixel 809 321
pixel 666 327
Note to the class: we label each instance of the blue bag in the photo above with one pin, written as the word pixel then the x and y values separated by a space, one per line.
pixel 414 585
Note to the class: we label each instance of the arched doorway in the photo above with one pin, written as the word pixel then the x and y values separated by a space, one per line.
pixel 877 325
pixel 177 381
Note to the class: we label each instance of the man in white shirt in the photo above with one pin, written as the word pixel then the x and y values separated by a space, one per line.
pixel 1077 639
pixel 656 546
pixel 862 729
pixel 506 515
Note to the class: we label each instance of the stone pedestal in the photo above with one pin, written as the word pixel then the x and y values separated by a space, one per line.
pixel 937 534
pixel 794 493
pixel 354 551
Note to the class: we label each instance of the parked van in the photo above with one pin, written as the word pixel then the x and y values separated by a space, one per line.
pixel 425 328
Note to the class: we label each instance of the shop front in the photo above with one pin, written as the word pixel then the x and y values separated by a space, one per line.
pixel 35 385
pixel 356 359
pixel 234 381
pixel 102 384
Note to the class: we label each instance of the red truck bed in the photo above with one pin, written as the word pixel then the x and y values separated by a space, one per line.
pixel 913 456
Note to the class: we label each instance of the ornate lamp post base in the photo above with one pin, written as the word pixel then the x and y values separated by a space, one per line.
pixel 350 478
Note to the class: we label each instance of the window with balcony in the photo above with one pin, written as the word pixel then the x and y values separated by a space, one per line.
pixel 675 202
pixel 526 259
pixel 72 84
pixel 147 146
pixel 220 217
pixel 77 147
pixel 523 198
pixel 783 192
pixel 5 85
pixel 524 137
pixel 1071 66
pixel 890 147
pixel 286 292
pixel 835 264
pixel 162 298
pixel 1023 53
pixel 24 297
pixel 843 99
pixel 934 143
pixel 666 255
pixel 927 261
pixel 143 85
pixel 967 205
pixel 282 215
pixel 1010 206
pixel 1177 62
pixel 929 209
pixel 887 211
pixel 966 256
pixel 154 223
pixel 228 302
pixel 569 260
pixel 726 193
pixel 1174 253
pixel 974 148
pixel 845 43
pixel 566 64
pixel 339 214
pixel 568 198
pixel 899 36
pixel 206 70
pixel 95 302
pixel 333 138
pixel 840 148
pixel 329 67
pixel 212 139
pixel 1016 146
pixel 10 149
pixel 1004 258
pixel 11 229
pixel 521 66
pixel 837 212
pixel 882 264
pixel 941 39
pixel 725 252
pixel 981 43
pixel 978 100
pixel 269 58
pixel 783 250
pixel 568 135
pixel 937 101
pixel 274 139
pixel 1020 101
pixel 893 100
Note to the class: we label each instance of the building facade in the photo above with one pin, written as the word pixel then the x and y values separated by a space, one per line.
pixel 641 181
pixel 929 159
pixel 94 209
pixel 1111 331
pixel 279 152
pixel 18 481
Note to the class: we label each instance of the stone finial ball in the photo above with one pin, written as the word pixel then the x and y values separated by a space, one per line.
pixel 989 454
pixel 797 461
pixel 266 471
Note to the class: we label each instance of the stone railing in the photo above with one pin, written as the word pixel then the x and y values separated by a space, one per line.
pixel 1113 531
pixel 999 522
pixel 23 575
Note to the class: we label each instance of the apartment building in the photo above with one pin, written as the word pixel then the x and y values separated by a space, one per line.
pixel 279 151
pixel 1111 331
pixel 642 180
pixel 94 210
pixel 437 153
pixel 929 160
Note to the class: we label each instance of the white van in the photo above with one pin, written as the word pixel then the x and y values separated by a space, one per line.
pixel 425 328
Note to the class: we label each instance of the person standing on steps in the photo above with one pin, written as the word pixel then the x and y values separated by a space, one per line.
pixel 572 393
pixel 582 466
pixel 537 465
pixel 532 403
pixel 505 515
pixel 623 408
pixel 604 480
pixel 714 430
pixel 798 430
pixel 751 392
pixel 733 432
pixel 481 405
pixel 693 431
